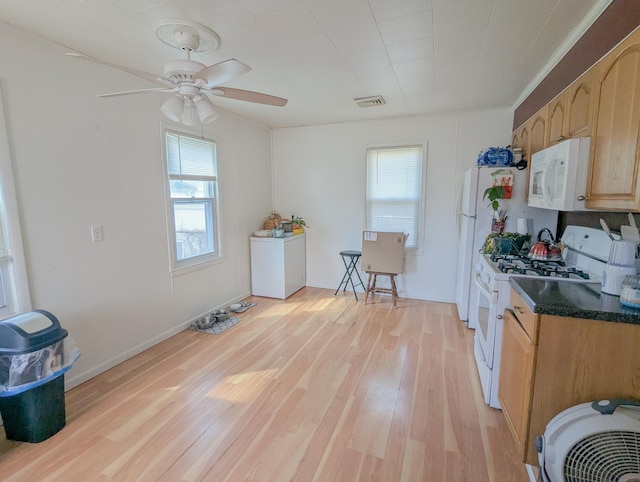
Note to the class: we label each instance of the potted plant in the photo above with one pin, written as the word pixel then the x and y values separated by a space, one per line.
pixel 298 222
pixel 494 193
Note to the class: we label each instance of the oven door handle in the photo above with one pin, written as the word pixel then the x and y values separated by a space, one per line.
pixel 484 289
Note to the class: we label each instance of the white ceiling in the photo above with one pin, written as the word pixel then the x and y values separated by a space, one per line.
pixel 422 56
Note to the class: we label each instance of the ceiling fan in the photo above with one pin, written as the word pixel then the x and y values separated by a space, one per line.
pixel 189 80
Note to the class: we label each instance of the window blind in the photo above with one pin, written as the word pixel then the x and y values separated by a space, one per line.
pixel 188 157
pixel 394 190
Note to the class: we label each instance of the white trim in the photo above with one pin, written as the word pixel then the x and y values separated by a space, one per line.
pixel 575 35
pixel 421 225
pixel 180 267
pixel 71 382
pixel 20 282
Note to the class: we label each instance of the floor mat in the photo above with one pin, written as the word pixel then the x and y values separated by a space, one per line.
pixel 217 328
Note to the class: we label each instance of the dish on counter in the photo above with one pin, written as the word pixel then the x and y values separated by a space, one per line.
pixel 263 233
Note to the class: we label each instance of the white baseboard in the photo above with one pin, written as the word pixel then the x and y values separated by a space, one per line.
pixel 82 377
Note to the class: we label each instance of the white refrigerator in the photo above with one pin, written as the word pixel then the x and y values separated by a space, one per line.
pixel 474 224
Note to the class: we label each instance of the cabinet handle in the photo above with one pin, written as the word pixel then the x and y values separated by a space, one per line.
pixel 582 198
pixel 500 317
pixel 560 138
pixel 518 309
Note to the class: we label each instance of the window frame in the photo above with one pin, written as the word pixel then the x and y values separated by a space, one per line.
pixel 14 279
pixel 180 266
pixel 419 228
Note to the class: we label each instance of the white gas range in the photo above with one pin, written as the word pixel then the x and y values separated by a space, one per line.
pixel 583 259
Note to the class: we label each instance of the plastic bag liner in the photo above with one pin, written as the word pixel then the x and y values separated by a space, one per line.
pixel 496 157
pixel 23 371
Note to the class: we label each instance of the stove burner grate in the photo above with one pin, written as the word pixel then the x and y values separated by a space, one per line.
pixel 525 266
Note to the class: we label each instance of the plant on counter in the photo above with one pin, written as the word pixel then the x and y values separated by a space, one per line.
pixel 298 222
pixel 505 243
pixel 499 215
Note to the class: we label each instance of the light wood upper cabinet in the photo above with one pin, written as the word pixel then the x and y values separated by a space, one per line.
pixel 604 104
pixel 538 130
pixel 613 181
pixel 515 138
pixel 571 114
pixel 524 141
pixel 557 119
pixel 520 138
pixel 581 97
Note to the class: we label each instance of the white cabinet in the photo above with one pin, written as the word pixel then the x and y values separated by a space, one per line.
pixel 278 266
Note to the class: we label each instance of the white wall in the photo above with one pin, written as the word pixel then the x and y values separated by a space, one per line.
pixel 319 173
pixel 79 161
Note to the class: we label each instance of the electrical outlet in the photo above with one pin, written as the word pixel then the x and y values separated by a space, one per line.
pixel 96 233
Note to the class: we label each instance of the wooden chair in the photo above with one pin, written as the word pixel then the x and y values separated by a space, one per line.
pixel 372 288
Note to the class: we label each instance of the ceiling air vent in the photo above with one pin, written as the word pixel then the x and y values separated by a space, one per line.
pixel 370 101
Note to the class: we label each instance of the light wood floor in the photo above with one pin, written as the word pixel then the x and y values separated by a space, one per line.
pixel 314 388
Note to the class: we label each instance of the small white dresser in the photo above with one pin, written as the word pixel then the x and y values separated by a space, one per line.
pixel 278 266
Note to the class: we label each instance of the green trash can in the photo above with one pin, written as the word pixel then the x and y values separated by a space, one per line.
pixel 35 353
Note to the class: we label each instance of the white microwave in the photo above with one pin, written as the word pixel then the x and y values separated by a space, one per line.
pixel 558 176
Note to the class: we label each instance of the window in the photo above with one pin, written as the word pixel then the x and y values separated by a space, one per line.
pixel 394 191
pixel 193 199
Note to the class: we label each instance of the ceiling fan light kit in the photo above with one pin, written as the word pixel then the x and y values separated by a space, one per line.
pixel 189 114
pixel 206 112
pixel 173 108
pixel 189 80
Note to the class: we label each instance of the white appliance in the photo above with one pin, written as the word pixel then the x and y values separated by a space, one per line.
pixel 474 224
pixel 592 441
pixel 621 263
pixel 558 175
pixel 583 261
pixel 278 266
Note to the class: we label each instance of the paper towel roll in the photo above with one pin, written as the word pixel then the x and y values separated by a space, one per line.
pixel 524 226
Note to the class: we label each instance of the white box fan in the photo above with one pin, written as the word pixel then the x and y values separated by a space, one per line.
pixel 592 442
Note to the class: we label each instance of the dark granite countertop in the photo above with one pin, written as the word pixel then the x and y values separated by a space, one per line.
pixel 577 300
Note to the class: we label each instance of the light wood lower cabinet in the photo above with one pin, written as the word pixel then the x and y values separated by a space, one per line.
pixel 559 363
pixel 516 376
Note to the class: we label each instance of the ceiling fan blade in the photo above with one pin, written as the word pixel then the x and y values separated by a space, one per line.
pixel 156 79
pixel 138 91
pixel 222 72
pixel 249 96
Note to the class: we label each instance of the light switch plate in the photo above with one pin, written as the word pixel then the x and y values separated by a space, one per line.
pixel 96 233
